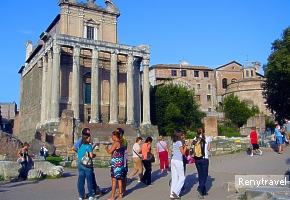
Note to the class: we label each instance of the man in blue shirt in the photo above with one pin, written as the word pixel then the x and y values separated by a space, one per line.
pixel 75 147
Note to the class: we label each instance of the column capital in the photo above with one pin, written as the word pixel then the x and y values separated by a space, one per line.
pixel 39 63
pixel 56 49
pixel 145 61
pixel 77 50
pixel 115 52
pixel 95 52
pixel 49 54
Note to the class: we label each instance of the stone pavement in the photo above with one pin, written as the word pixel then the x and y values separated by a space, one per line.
pixel 222 169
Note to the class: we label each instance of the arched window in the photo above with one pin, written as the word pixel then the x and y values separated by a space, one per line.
pixel 247 73
pixel 225 83
pixel 252 73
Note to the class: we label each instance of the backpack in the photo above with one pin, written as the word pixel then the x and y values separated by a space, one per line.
pixel 198 148
pixel 41 151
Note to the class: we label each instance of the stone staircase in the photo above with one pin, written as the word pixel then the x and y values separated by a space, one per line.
pixel 103 131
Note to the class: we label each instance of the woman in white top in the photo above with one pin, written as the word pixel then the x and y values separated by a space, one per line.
pixel 162 149
pixel 137 160
pixel 177 168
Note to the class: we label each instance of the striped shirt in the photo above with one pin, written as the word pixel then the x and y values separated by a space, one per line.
pixel 177 155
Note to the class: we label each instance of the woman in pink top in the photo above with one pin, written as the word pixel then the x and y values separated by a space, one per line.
pixel 146 149
pixel 162 149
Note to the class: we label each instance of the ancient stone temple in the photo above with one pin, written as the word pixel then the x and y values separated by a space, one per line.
pixel 78 64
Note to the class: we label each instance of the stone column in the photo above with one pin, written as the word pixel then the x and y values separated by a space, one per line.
pixel 146 93
pixel 130 91
pixel 76 83
pixel 43 114
pixel 114 89
pixel 95 87
pixel 55 83
pixel 48 94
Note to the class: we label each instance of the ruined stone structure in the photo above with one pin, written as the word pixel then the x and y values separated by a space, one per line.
pixel 8 112
pixel 79 65
pixel 199 78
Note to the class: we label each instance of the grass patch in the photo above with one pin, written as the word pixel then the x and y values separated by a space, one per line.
pixel 227 131
pixel 2 178
pixel 54 159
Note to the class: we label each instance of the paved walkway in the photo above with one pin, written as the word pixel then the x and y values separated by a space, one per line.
pixel 222 169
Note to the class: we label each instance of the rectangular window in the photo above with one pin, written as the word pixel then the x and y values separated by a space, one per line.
pixel 209 109
pixel 173 73
pixel 198 86
pixel 209 86
pixel 208 98
pixel 197 97
pixel 183 72
pixel 88 93
pixel 90 32
pixel 205 74
pixel 196 74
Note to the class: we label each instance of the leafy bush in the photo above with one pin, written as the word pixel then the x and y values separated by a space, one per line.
pixel 190 135
pixel 54 159
pixel 224 130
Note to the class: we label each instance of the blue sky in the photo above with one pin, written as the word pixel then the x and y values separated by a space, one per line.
pixel 210 33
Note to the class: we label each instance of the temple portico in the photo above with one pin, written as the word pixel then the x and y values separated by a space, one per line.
pixel 97 52
pixel 78 64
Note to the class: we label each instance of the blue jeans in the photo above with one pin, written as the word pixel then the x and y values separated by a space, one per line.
pixel 22 173
pixel 85 173
pixel 202 171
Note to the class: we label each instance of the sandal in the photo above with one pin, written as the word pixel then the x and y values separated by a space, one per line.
pixel 120 196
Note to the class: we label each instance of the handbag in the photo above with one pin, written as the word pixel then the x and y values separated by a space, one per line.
pixel 86 160
pixel 151 157
pixel 20 160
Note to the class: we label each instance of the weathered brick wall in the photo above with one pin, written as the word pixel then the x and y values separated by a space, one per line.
pixel 30 104
pixel 210 125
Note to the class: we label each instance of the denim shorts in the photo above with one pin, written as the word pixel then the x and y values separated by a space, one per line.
pixel 279 140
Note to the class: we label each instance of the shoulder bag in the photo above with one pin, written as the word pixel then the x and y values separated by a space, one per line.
pixel 86 160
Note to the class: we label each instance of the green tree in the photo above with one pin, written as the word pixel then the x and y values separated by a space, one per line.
pixel 175 107
pixel 238 112
pixel 277 71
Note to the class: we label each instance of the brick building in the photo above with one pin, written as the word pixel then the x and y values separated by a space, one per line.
pixel 8 112
pixel 78 64
pixel 211 85
pixel 199 78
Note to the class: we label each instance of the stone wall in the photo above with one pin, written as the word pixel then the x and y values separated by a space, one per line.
pixel 30 104
pixel 226 146
pixel 258 121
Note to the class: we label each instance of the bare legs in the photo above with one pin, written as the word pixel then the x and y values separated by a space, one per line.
pixel 114 186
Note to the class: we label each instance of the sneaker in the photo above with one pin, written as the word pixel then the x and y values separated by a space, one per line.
pixel 200 196
pixel 261 153
pixel 92 198
pixel 139 181
pixel 252 155
pixel 80 198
